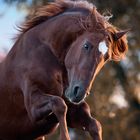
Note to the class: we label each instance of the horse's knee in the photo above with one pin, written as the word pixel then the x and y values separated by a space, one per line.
pixel 50 104
pixel 95 127
pixel 59 106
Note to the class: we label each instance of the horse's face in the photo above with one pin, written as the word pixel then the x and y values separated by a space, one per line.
pixel 83 61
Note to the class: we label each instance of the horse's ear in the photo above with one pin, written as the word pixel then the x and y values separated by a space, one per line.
pixel 120 34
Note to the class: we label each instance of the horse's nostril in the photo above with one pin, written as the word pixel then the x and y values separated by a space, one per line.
pixel 76 89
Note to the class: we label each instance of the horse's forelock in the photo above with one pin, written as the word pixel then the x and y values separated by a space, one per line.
pixel 96 22
pixel 119 47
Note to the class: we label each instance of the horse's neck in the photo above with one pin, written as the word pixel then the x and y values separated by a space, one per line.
pixel 59 33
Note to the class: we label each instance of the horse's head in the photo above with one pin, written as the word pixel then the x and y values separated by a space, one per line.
pixel 86 57
pixel 82 39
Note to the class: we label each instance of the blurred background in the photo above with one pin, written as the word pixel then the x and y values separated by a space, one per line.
pixel 115 96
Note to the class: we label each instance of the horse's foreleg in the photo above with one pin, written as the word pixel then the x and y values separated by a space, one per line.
pixel 40 105
pixel 52 104
pixel 94 128
pixel 78 116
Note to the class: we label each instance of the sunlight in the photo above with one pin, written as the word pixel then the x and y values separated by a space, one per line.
pixel 10 18
pixel 118 98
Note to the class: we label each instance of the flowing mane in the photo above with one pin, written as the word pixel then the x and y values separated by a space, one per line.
pixel 41 14
pixel 99 21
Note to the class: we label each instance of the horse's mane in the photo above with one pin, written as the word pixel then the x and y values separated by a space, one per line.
pixel 43 13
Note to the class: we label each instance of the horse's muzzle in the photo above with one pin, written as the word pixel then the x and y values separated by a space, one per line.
pixel 75 94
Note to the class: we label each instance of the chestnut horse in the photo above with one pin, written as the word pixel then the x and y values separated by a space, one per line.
pixel 50 70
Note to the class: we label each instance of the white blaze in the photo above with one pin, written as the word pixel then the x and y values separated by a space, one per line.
pixel 103 47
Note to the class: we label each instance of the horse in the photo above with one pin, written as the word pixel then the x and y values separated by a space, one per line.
pixel 50 69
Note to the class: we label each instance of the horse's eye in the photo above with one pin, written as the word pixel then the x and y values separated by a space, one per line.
pixel 86 46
